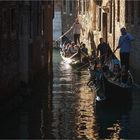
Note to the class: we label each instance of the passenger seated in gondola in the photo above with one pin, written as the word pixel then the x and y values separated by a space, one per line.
pixel 92 69
pixel 106 71
pixel 95 74
pixel 72 49
pixel 76 48
pixel 124 75
pixel 84 52
pixel 117 72
pixel 98 76
pixel 66 49
pixel 84 49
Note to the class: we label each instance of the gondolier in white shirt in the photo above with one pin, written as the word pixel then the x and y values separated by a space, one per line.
pixel 77 28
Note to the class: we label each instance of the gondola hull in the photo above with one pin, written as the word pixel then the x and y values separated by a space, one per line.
pixel 116 92
pixel 112 89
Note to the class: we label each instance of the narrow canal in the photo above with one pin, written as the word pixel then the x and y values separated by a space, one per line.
pixel 71 111
pixel 76 115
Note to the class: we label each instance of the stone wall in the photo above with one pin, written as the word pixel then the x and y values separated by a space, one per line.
pixel 68 17
pixel 9 60
pixel 93 24
pixel 134 29
pixel 23 29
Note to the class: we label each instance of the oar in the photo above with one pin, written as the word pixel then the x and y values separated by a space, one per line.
pixel 110 55
pixel 81 67
pixel 63 34
pixel 86 55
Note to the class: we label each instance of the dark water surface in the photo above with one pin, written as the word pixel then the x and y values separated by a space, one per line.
pixel 71 111
pixel 76 114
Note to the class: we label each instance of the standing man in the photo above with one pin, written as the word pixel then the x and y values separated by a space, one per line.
pixel 125 45
pixel 103 49
pixel 77 27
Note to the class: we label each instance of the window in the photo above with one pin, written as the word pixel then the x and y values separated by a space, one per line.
pixel 4 20
pixel 70 3
pixel 49 2
pixel 110 27
pixel 118 10
pixel 87 5
pixel 99 26
pixel 138 12
pixel 80 7
pixel 84 6
pixel 126 11
pixel 94 16
pixel 43 21
pixel 30 27
pixel 13 19
pixel 64 6
pixel 132 11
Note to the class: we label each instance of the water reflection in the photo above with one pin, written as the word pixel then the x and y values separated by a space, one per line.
pixel 85 116
pixel 73 105
pixel 76 115
pixel 113 119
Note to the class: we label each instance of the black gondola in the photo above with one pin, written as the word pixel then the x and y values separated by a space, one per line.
pixel 109 86
pixel 117 88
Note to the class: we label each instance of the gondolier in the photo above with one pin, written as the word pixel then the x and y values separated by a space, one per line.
pixel 76 28
pixel 125 45
pixel 103 49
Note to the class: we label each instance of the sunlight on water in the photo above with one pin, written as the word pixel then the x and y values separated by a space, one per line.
pixel 85 119
pixel 76 114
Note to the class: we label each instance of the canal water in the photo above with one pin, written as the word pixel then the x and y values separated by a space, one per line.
pixel 70 111
pixel 77 115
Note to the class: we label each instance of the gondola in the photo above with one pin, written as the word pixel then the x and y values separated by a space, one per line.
pixel 73 59
pixel 76 59
pixel 117 89
pixel 109 87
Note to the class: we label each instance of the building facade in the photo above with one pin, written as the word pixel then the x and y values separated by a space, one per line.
pixel 57 21
pixel 9 54
pixel 25 42
pixel 104 18
pixel 69 13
